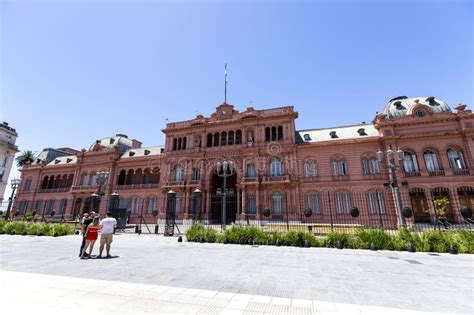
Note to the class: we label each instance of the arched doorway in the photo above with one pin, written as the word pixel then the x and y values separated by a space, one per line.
pixel 217 190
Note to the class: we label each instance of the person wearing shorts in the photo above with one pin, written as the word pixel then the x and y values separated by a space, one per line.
pixel 92 233
pixel 106 234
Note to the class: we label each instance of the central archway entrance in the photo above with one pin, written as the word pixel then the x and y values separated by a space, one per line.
pixel 217 184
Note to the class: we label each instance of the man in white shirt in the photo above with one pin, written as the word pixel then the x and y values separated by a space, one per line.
pixel 107 227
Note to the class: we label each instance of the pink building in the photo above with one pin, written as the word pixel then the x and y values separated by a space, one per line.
pixel 276 166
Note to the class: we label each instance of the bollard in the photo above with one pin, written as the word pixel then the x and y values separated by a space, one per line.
pixel 136 228
pixel 180 239
pixel 156 229
pixel 201 240
pixel 306 244
pixel 452 250
pixel 250 241
pixel 278 243
pixel 410 248
pixel 372 246
pixel 339 245
pixel 226 241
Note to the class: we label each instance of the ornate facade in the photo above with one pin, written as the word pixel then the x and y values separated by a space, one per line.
pixel 276 167
pixel 8 149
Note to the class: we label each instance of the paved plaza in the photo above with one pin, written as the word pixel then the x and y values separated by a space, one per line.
pixel 160 275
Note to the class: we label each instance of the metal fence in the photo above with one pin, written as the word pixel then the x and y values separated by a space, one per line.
pixel 319 212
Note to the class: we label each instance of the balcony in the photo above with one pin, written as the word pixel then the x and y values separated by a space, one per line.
pixel 84 188
pixel 310 179
pixel 173 183
pixel 136 186
pixel 276 179
pixel 340 178
pixel 461 172
pixel 54 190
pixel 436 173
pixel 251 179
pixel 412 174
pixel 194 182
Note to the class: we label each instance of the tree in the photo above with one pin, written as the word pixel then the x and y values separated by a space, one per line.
pixel 26 157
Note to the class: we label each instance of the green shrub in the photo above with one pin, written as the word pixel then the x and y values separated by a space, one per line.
pixel 464 241
pixel 332 238
pixel 61 229
pixel 236 234
pixel 2 225
pixel 15 227
pixel 211 235
pixel 196 231
pixel 404 237
pixel 435 241
pixel 380 238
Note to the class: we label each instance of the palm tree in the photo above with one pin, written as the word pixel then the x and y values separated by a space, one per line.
pixel 26 157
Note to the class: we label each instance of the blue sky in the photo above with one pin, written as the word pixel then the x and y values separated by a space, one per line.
pixel 78 71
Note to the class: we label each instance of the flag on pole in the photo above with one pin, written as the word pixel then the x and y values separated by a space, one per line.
pixel 225 72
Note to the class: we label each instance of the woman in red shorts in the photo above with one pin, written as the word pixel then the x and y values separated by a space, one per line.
pixel 92 233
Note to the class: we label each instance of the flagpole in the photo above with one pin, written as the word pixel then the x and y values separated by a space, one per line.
pixel 225 84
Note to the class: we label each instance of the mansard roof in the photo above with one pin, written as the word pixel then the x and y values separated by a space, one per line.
pixel 121 142
pixel 402 106
pixel 336 133
pixel 139 152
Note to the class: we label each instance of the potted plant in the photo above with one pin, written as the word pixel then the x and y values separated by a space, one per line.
pixel 266 212
pixel 441 205
pixel 308 212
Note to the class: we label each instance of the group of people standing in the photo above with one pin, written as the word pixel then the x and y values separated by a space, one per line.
pixel 91 227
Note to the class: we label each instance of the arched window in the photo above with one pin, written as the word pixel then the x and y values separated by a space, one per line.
pixel 216 139
pixel 155 176
pixel 44 185
pixel 93 180
pixel 152 204
pixel 277 203
pixel 70 180
pixel 343 167
pixel 375 202
pixel 62 206
pixel 313 202
pixel 343 202
pixel 51 182
pixel 121 178
pixel 310 169
pixel 409 162
pixel 280 133
pixel 238 137
pixel 138 177
pixel 84 180
pixel 209 140
pixel 275 167
pixel 267 134
pixel 196 174
pixel 180 143
pixel 177 173
pixel 456 160
pixel 185 141
pixel 146 177
pixel 134 205
pixel 251 204
pixel 370 166
pixel 178 203
pixel 130 177
pixel 231 138
pixel 274 133
pixel 431 161
pixel 57 182
pixel 224 138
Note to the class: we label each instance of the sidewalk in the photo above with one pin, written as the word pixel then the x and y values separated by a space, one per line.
pixel 28 292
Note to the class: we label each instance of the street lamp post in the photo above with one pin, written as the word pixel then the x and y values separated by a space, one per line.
pixel 390 155
pixel 101 179
pixel 197 206
pixel 14 184
pixel 224 169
